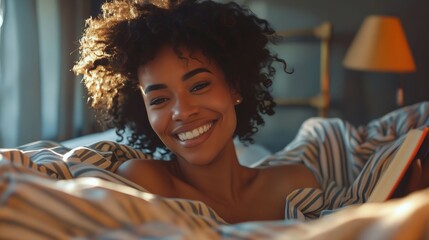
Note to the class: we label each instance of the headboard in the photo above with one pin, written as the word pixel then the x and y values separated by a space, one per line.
pixel 303 94
pixel 321 101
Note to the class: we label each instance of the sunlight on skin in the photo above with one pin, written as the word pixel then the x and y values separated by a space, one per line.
pixel 403 209
pixel 372 220
pixel 141 89
pixel 406 220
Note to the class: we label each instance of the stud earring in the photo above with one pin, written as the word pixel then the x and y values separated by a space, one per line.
pixel 238 101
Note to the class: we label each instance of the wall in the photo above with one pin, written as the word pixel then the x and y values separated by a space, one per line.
pixel 357 97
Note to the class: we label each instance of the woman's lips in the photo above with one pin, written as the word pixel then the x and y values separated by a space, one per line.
pixel 196 136
pixel 188 135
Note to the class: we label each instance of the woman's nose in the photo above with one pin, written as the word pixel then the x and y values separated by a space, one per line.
pixel 184 108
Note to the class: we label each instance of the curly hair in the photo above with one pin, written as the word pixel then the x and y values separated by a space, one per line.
pixel 129 33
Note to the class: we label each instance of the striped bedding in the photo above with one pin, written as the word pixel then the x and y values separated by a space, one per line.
pixel 48 191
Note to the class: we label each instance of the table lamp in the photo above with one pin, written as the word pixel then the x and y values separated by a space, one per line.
pixel 381 46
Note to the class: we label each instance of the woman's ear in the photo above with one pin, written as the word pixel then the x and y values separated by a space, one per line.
pixel 236 96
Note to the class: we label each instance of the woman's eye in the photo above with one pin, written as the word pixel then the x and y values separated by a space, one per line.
pixel 157 101
pixel 199 86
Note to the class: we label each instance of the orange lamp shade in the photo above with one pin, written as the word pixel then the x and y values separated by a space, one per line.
pixel 380 45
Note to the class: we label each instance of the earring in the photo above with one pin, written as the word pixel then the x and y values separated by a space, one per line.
pixel 238 101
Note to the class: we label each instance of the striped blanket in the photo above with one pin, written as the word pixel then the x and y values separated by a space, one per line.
pixel 48 191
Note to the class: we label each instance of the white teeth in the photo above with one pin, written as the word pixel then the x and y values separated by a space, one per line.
pixel 194 133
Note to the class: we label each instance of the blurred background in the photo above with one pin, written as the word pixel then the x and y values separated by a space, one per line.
pixel 41 99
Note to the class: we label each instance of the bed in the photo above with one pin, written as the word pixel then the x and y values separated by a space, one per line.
pixel 63 190
pixel 50 191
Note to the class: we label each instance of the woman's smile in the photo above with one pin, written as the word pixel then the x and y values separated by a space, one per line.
pixel 197 136
pixel 189 135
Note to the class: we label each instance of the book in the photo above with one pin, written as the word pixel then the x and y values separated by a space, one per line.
pixel 415 146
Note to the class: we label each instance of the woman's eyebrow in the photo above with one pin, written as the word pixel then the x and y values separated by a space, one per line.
pixel 153 87
pixel 194 72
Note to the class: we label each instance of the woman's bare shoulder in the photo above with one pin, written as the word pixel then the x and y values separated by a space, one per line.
pixel 153 175
pixel 297 174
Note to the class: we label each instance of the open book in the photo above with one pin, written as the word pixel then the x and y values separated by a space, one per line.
pixel 415 146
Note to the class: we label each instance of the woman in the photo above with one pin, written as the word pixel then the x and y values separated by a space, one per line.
pixel 184 78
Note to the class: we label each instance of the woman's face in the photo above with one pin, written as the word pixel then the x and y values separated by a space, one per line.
pixel 190 105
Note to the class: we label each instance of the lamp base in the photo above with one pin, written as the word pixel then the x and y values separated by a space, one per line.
pixel 400 97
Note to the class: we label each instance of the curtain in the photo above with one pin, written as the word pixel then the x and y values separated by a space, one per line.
pixel 40 97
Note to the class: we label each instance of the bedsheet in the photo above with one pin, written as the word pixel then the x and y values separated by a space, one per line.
pixel 50 191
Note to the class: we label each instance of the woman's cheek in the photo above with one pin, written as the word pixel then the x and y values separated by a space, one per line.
pixel 156 120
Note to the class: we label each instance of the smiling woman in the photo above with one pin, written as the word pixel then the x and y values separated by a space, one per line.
pixel 186 77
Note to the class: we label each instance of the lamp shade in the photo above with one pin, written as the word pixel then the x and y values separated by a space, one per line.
pixel 380 45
